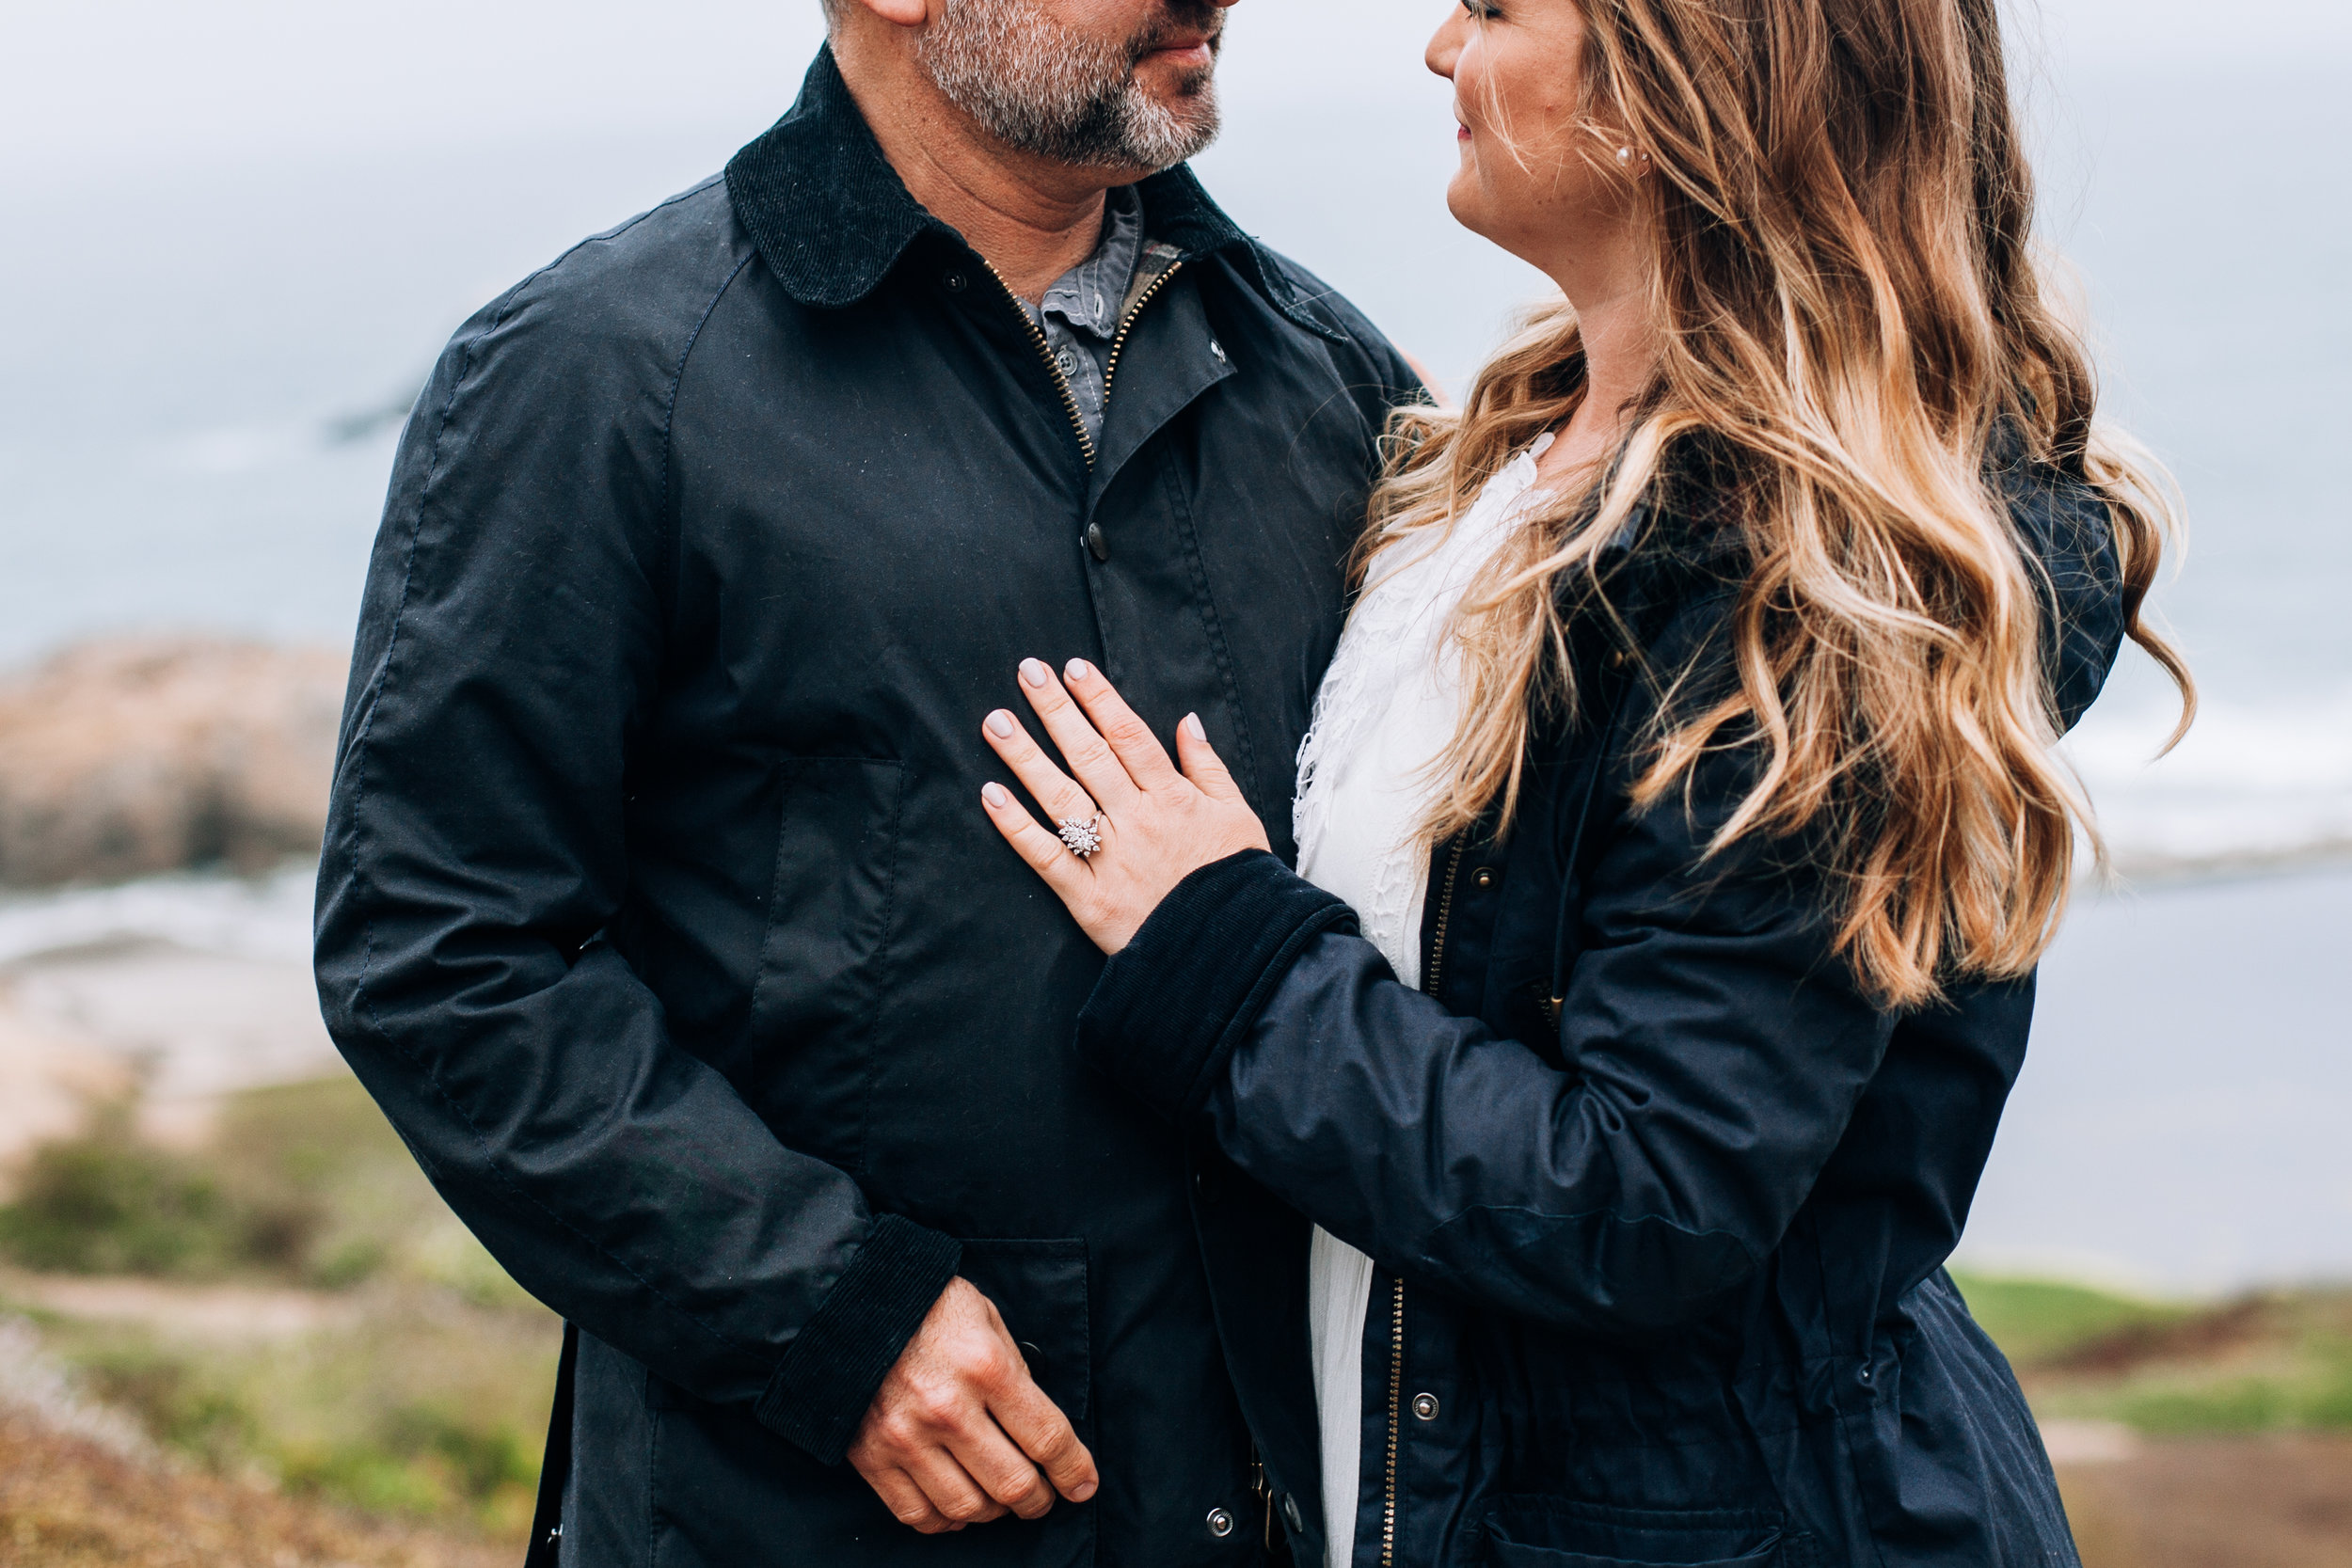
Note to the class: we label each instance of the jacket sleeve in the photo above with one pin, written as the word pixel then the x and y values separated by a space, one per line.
pixel 1716 1052
pixel 509 647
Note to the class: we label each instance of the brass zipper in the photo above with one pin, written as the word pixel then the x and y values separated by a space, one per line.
pixel 1045 349
pixel 1435 972
pixel 1045 352
pixel 1126 325
pixel 1445 915
pixel 1396 1421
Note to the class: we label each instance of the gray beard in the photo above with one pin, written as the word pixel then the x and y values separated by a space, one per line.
pixel 1060 94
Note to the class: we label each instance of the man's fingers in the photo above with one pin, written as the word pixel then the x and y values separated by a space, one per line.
pixel 1082 745
pixel 1202 766
pixel 951 1489
pixel 907 1503
pixel 1045 1435
pixel 1129 738
pixel 1002 1470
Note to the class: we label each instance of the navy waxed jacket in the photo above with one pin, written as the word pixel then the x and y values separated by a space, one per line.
pixel 658 908
pixel 1660 1200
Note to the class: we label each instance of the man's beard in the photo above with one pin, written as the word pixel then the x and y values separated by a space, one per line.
pixel 1058 93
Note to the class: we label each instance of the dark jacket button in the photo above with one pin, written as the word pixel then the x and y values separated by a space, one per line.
pixel 1291 1512
pixel 1425 1406
pixel 955 282
pixel 1098 542
pixel 1484 876
pixel 1220 1523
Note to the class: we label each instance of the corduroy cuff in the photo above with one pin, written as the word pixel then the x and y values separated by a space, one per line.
pixel 1170 1008
pixel 829 1376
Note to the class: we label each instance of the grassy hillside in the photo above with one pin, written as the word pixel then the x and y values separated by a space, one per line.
pixel 386 1365
pixel 294 1314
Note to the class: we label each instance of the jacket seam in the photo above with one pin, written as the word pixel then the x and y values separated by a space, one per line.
pixel 1212 620
pixel 671 528
pixel 882 970
pixel 362 992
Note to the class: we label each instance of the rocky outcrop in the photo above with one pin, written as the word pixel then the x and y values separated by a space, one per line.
pixel 127 758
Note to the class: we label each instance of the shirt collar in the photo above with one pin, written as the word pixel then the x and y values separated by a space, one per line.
pixel 831 216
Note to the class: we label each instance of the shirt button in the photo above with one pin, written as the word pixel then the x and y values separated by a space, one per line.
pixel 1098 542
pixel 1220 1523
pixel 1484 876
pixel 1291 1512
pixel 1067 361
pixel 1425 1406
pixel 955 282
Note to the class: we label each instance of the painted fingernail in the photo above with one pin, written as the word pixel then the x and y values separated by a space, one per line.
pixel 997 796
pixel 1193 727
pixel 1079 670
pixel 1034 672
pixel 1000 724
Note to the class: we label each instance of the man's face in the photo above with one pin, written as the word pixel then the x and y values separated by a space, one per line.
pixel 1121 85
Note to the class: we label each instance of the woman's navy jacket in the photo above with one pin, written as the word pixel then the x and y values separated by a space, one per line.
pixel 658 906
pixel 1659 1260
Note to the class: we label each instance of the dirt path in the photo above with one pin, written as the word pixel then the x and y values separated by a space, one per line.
pixel 2216 1502
pixel 212 1313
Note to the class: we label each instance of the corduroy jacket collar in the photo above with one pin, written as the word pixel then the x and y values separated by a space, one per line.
pixel 831 216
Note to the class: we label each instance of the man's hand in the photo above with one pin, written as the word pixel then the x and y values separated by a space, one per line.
pixel 959 1430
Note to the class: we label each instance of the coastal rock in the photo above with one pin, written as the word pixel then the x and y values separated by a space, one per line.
pixel 130 757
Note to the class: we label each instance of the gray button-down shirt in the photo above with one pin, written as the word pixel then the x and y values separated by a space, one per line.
pixel 1080 313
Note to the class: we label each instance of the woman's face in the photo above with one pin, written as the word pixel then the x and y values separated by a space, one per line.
pixel 1527 180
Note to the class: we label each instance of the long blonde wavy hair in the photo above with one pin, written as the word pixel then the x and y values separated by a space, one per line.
pixel 1853 317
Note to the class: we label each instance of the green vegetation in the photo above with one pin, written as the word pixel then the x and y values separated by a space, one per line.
pixel 303 1185
pixel 2035 1321
pixel 2276 1362
pixel 419 1387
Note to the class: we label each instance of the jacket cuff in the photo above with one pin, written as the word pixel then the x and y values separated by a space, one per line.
pixel 1170 1008
pixel 829 1376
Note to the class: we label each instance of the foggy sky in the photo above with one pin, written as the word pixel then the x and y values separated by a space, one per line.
pixel 100 83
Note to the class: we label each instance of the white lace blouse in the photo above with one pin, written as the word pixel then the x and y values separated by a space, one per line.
pixel 1388 705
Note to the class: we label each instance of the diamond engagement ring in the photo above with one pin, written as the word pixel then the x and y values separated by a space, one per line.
pixel 1083 837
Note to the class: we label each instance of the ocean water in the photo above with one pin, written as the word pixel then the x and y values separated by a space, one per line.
pixel 206 355
pixel 205 365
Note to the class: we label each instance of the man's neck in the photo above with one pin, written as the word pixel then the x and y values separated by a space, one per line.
pixel 1032 218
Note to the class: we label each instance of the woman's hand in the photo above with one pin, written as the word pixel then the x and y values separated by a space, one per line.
pixel 1157 826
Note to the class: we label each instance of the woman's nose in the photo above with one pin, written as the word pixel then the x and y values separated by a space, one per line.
pixel 1445 47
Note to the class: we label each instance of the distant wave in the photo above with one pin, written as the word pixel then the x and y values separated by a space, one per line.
pixel 2248 784
pixel 263 918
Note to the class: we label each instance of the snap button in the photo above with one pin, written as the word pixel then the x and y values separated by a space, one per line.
pixel 1219 349
pixel 1291 1512
pixel 1619 659
pixel 1425 1406
pixel 955 282
pixel 1220 1523
pixel 1866 1374
pixel 1098 543
pixel 1484 876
